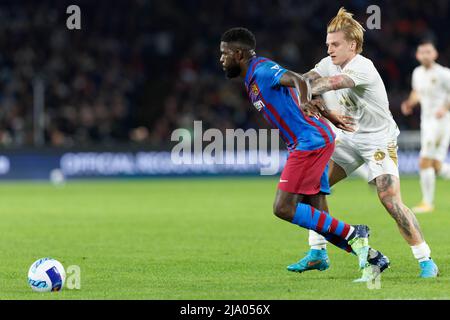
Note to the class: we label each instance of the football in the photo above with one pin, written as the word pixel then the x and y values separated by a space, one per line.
pixel 46 275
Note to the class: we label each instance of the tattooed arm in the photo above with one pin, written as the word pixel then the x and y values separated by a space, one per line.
pixel 311 75
pixel 317 106
pixel 322 85
pixel 341 121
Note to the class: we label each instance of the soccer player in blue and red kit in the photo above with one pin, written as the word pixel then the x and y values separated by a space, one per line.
pixel 281 96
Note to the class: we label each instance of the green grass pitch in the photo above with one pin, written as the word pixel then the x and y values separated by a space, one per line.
pixel 203 239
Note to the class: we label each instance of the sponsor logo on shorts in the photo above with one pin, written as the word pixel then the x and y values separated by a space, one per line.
pixel 283 180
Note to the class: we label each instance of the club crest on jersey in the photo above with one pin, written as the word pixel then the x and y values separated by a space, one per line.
pixel 258 105
pixel 254 89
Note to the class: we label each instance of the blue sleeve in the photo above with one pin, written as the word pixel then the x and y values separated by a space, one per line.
pixel 270 73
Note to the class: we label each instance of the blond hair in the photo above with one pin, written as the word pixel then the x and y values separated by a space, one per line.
pixel 351 28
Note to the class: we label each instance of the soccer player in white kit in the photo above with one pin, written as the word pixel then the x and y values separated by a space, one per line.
pixel 362 96
pixel 431 87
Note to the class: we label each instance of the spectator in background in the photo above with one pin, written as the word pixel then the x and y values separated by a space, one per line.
pixel 139 69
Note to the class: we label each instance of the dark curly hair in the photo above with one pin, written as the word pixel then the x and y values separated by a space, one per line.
pixel 242 36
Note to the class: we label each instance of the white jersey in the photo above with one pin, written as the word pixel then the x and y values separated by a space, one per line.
pixel 367 103
pixel 433 88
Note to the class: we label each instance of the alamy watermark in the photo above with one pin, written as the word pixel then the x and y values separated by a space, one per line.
pixel 374 20
pixel 374 283
pixel 73 277
pixel 73 22
pixel 227 149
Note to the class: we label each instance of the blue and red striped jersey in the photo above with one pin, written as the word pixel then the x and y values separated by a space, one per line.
pixel 280 107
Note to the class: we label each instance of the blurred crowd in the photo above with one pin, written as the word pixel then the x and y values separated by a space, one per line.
pixel 91 77
pixel 139 69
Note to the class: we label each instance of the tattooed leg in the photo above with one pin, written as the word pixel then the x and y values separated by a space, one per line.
pixel 388 187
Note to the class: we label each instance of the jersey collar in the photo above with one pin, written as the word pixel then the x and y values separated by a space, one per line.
pixel 348 63
pixel 250 70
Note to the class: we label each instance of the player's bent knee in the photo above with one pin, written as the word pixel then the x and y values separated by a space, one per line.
pixel 388 204
pixel 388 200
pixel 437 165
pixel 425 163
pixel 283 211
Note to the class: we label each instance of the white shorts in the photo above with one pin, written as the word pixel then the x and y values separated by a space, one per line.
pixel 380 156
pixel 434 138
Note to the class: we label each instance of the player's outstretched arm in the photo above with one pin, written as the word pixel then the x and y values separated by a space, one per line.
pixel 324 84
pixel 316 106
pixel 302 84
pixel 340 121
pixel 409 104
pixel 311 75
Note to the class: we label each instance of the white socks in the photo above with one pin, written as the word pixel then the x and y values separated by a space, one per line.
pixel 317 241
pixel 445 171
pixel 428 183
pixel 421 252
